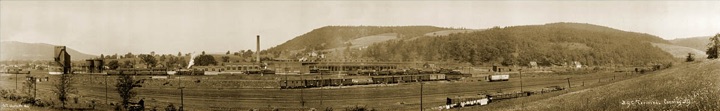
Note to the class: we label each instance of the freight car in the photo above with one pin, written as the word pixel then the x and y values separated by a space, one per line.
pixel 498 77
pixel 287 84
pixel 362 81
pixel 138 71
pixel 190 72
pixel 367 72
pixel 463 101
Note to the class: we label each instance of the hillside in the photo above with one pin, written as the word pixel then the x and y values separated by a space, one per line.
pixel 549 44
pixel 330 37
pixel 699 43
pixel 12 50
pixel 680 51
pixel 686 87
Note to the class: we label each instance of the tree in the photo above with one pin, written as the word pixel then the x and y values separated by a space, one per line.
pixel 129 55
pixel 203 53
pixel 227 53
pixel 128 64
pixel 125 85
pixel 114 64
pixel 204 60
pixel 226 59
pixel 64 87
pixel 149 60
pixel 712 50
pixel 30 85
pixel 248 53
pixel 172 61
pixel 690 57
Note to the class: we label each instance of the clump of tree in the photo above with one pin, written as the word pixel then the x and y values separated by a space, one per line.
pixel 64 87
pixel 128 64
pixel 149 60
pixel 712 50
pixel 30 85
pixel 113 64
pixel 125 85
pixel 225 58
pixel 205 60
pixel 690 58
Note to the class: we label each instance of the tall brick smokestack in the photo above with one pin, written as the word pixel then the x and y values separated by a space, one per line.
pixel 257 50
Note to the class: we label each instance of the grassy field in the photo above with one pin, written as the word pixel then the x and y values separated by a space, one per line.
pixel 686 87
pixel 236 93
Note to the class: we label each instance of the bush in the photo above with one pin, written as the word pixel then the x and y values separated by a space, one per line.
pixel 170 107
pixel 359 108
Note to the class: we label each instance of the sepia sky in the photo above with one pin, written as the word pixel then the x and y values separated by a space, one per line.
pixel 108 27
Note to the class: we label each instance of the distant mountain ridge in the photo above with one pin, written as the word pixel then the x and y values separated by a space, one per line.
pixel 699 43
pixel 13 50
pixel 330 37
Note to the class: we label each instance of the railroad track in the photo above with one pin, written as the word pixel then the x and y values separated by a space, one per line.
pixel 290 98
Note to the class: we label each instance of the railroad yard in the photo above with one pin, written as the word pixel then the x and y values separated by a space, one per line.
pixel 243 92
pixel 359 56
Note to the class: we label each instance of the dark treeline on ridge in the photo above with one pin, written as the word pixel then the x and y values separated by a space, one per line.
pixel 549 44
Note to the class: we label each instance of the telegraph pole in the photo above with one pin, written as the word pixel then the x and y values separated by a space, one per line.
pixel 106 90
pixel 16 82
pixel 568 81
pixel 182 105
pixel 421 95
pixel 302 96
pixel 34 81
pixel 521 81
pixel 322 85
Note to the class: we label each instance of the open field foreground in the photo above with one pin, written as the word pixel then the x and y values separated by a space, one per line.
pixel 686 87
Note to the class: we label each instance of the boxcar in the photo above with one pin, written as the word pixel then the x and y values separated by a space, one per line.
pixel 312 83
pixel 425 77
pixel 362 81
pixel 347 82
pixel 384 72
pixel 293 84
pixel 335 82
pixel 113 72
pixel 378 80
pixel 406 78
pixel 367 72
pixel 395 79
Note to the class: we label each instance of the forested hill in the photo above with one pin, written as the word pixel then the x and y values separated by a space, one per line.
pixel 549 44
pixel 336 36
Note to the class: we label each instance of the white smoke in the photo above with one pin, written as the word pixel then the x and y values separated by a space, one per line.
pixel 192 60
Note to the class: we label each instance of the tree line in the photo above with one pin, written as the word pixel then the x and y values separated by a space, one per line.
pixel 550 44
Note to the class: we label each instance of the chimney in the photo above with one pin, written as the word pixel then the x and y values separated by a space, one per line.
pixel 257 51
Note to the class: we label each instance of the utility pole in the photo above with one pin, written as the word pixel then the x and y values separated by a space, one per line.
pixel 16 82
pixel 421 95
pixel 106 90
pixel 568 81
pixel 302 96
pixel 521 81
pixel 322 85
pixel 34 81
pixel 182 105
